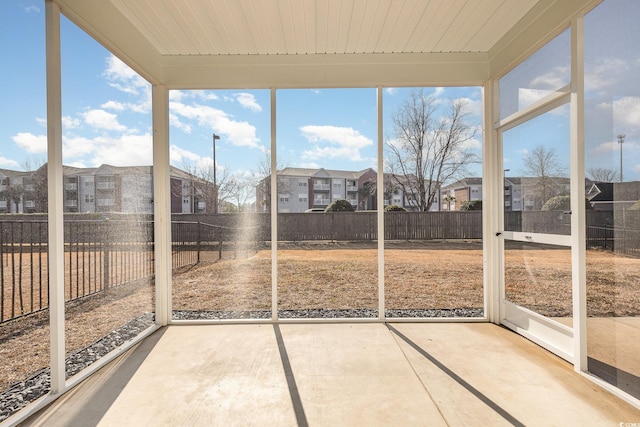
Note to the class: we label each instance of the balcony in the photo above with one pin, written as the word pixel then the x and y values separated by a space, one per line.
pixel 71 203
pixel 3 204
pixel 352 188
pixel 321 202
pixel 71 186
pixel 322 187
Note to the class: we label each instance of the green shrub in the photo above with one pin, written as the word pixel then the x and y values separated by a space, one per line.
pixel 471 205
pixel 340 205
pixel 561 203
pixel 394 208
pixel 635 206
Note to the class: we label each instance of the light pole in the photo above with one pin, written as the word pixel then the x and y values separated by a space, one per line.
pixel 620 141
pixel 215 184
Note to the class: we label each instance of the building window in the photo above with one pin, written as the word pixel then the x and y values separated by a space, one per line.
pixel 302 184
pixel 88 198
pixel 302 199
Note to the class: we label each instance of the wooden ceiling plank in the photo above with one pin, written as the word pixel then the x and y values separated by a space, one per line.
pixel 322 25
pixel 465 23
pixel 423 39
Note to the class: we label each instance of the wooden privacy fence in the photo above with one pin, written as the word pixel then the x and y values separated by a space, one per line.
pixel 103 253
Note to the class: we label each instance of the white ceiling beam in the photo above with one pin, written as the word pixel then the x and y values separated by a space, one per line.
pixel 543 22
pixel 335 70
pixel 123 40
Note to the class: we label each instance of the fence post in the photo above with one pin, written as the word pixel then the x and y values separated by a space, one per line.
pixel 199 237
pixel 105 255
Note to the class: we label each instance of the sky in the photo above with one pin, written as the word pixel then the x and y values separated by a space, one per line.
pixel 107 108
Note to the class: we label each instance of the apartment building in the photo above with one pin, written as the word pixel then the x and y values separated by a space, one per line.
pixel 520 193
pixel 107 188
pixel 301 189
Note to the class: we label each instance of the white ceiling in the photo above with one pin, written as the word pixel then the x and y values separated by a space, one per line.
pixel 298 27
pixel 306 43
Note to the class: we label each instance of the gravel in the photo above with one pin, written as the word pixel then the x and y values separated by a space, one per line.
pixel 21 394
pixel 327 314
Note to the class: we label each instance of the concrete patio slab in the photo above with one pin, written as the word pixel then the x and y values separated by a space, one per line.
pixel 347 374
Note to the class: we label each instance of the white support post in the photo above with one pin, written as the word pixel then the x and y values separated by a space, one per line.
pixel 578 214
pixel 380 203
pixel 55 197
pixel 273 194
pixel 161 203
pixel 492 204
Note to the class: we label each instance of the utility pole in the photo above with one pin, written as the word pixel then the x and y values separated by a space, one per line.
pixel 215 184
pixel 620 141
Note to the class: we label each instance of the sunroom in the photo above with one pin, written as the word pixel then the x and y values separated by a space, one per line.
pixel 533 101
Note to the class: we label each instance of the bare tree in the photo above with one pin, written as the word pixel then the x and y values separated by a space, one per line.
pixel 542 164
pixel 241 190
pixel 262 186
pixel 603 175
pixel 430 148
pixel 203 184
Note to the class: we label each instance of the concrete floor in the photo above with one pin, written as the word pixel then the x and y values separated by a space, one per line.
pixel 337 375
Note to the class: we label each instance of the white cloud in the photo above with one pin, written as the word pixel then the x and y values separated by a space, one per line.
pixel 114 105
pixel 241 134
pixel 8 163
pixel 528 96
pixel 101 119
pixel 391 90
pixel 626 113
pixel 473 144
pixel 69 122
pixel 76 164
pixel 343 142
pixel 553 80
pixel 248 101
pixel 31 143
pixel 180 156
pixel 77 146
pixel 437 91
pixel 604 148
pixel 32 8
pixel 473 106
pixel 123 78
pixel 309 165
pixel 603 75
pixel 175 121
pixel 138 149
pixel 181 95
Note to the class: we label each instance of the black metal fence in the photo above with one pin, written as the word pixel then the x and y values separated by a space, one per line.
pixel 98 254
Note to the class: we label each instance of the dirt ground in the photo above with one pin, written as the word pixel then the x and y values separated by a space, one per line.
pixel 434 275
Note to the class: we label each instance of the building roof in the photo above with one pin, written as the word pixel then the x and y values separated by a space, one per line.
pixel 614 191
pixel 464 183
pixel 330 173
